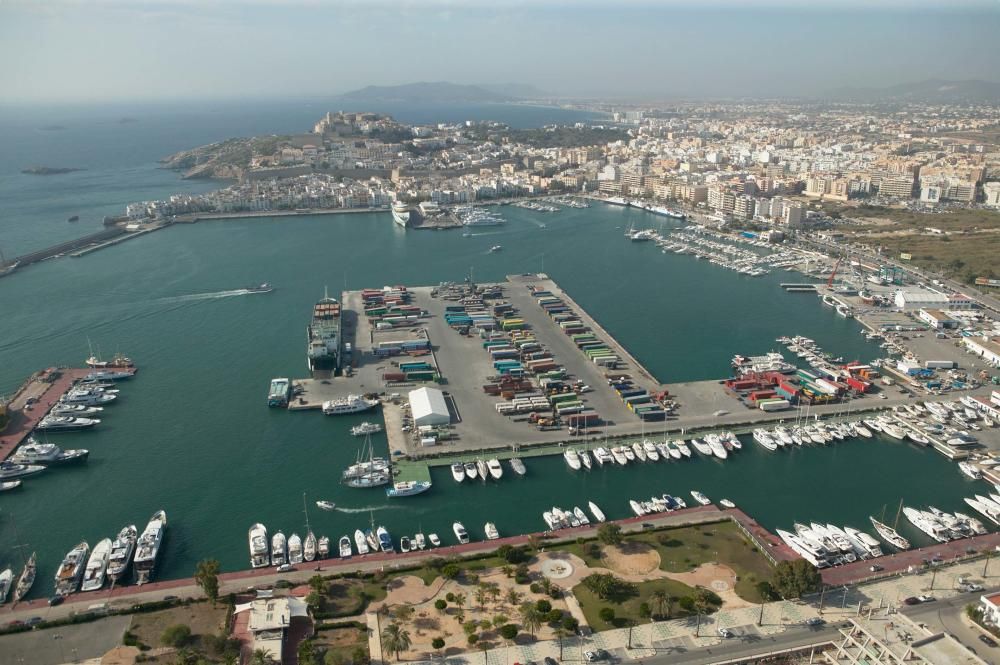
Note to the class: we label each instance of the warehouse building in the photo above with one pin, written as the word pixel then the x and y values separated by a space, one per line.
pixel 924 299
pixel 428 407
pixel 937 319
pixel 986 348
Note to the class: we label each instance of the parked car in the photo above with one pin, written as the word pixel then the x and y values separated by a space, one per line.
pixel 925 598
pixel 725 632
pixel 987 640
pixel 549 660
pixel 815 621
pixel 596 655
pixel 912 600
pixel 56 600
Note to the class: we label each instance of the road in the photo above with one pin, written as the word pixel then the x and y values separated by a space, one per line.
pixel 744 646
pixel 948 616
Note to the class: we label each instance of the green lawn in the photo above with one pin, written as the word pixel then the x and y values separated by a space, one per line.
pixel 627 610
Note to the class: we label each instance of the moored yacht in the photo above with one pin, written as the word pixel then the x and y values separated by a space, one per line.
pixel 360 541
pixel 97 566
pixel 27 578
pixel 46 454
pixel 70 571
pixel 518 465
pixel 148 547
pixel 65 423
pixel 75 410
pixel 572 459
pixel 458 472
pixel 122 549
pixel 495 468
pixel 460 533
pixel 260 556
pixel 344 547
pixel 295 549
pixel 596 512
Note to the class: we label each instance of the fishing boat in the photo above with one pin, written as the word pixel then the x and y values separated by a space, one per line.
pixel 518 465
pixel 344 548
pixel 260 556
pixel 491 531
pixel 27 577
pixel 596 512
pixel 70 571
pixel 700 498
pixel 460 533
pixel 323 547
pixel 97 566
pixel 458 472
pixel 326 505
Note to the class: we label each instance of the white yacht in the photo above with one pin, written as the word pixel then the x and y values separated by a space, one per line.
pixel 618 454
pixel 460 533
pixel 344 547
pixel 782 433
pixel 360 542
pixel 433 539
pixel 88 397
pixel 491 531
pixel 294 548
pixel 515 463
pixel 97 566
pixel 651 452
pixel 122 549
pixel 401 214
pixel 70 571
pixel 309 547
pixel 260 556
pixel 682 447
pixel 893 430
pixel 638 451
pixel 495 469
pixel 148 547
pixel 348 405
pixel 75 410
pixel 46 454
pixel 865 545
pixel 701 447
pixel 715 445
pixel 458 472
pixel 323 547
pixel 580 515
pixel 970 470
pixel 763 437
pixel 596 512
pixel 65 423
pixel 700 498
pixel 637 508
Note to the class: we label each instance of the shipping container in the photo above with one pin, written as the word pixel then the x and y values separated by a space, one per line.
pixel 775 405
pixel 940 364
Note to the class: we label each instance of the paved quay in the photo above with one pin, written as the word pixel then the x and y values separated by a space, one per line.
pixel 32 401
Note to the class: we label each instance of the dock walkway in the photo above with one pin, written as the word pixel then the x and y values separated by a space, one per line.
pixel 32 401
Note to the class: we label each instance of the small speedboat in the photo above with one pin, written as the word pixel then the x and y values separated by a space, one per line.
pixel 470 471
pixel 458 472
pixel 700 498
pixel 434 540
pixel 345 547
pixel 491 531
pixel 518 466
pixel 326 505
pixel 726 503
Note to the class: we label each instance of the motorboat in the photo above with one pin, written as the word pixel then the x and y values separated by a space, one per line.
pixel 700 498
pixel 865 545
pixel 260 556
pixel 88 397
pixel 458 472
pixel 279 549
pixel 895 431
pixel 326 505
pixel 628 453
pixel 782 433
pixel 682 447
pixel 360 542
pixel 10 470
pixel 46 454
pixel 639 451
pixel 726 503
pixel 636 508
pixel 344 547
pixel 9 485
pixel 495 469
pixel 323 547
pixel 65 423
pixel 384 539
pixel 433 539
pixel 470 470
pixel 97 566
pixel 518 466
pixel 484 472
pixel 404 544
pixel 6 579
pixel 309 546
pixel 596 512
pixel 491 531
pixel 572 459
pixel 715 445
pixel 420 541
pixel 860 429
pixel 585 459
pixel 408 488
pixel 651 452
pixel 580 515
pixel 618 454
pixel 366 428
pixel 970 470
pixel 763 437
pixel 702 447
pixel 460 533
pixel 75 410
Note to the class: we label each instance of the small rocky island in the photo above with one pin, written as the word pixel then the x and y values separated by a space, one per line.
pixel 49 170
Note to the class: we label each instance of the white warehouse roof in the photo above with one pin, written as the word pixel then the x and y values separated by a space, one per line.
pixel 428 407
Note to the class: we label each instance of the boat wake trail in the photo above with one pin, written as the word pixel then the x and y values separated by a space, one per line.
pixel 366 509
pixel 205 296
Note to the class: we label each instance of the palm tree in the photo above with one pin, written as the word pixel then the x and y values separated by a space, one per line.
pixel 481 594
pixel 403 612
pixel 396 639
pixel 460 600
pixel 659 598
pixel 261 657
pixel 514 597
pixel 493 589
pixel 531 618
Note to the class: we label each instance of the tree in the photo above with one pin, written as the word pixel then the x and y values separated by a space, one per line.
pixel 507 570
pixel 437 643
pixel 645 611
pixel 395 639
pixel 608 587
pixel 472 639
pixel 469 627
pixel 440 604
pixel 508 631
pixel 607 614
pixel 450 571
pixel 570 624
pixel 610 534
pixel 403 613
pixel 360 656
pixel 499 620
pixel 514 597
pixel 261 657
pixel 659 598
pixel 493 590
pixel 481 595
pixel 207 577
pixel 176 635
pixel 543 606
pixel 460 601
pixel 531 618
pixel 792 579
pixel 317 584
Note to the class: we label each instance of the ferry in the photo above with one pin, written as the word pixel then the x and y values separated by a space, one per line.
pixel 277 396
pixel 323 336
pixel 148 547
pixel 401 214
pixel 348 405
pixel 407 488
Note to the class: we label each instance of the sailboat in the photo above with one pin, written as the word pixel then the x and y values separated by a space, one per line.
pixel 309 544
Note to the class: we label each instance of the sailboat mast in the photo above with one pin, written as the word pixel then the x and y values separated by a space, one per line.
pixel 898 511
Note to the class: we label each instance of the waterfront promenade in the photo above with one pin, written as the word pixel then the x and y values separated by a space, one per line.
pixel 32 401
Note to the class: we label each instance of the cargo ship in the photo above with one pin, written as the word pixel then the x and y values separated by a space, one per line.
pixel 323 336
pixel 277 396
pixel 401 214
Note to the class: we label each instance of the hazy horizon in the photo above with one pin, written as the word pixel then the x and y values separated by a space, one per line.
pixel 70 51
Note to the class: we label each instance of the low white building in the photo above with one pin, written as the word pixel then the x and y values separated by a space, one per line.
pixel 925 299
pixel 936 319
pixel 428 407
pixel 990 605
pixel 987 348
pixel 270 619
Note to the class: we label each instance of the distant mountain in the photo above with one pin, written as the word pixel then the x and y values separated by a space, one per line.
pixel 932 90
pixel 518 90
pixel 439 91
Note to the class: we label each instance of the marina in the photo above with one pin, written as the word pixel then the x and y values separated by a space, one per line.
pixel 306 450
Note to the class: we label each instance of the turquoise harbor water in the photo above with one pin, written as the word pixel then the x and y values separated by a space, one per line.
pixel 191 433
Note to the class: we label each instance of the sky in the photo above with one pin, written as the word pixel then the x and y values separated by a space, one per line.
pixel 83 51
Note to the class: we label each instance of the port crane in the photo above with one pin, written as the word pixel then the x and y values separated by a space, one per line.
pixel 829 282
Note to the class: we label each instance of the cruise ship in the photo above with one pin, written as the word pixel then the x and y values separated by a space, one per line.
pixel 323 336
pixel 277 396
pixel 122 549
pixel 148 547
pixel 401 214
